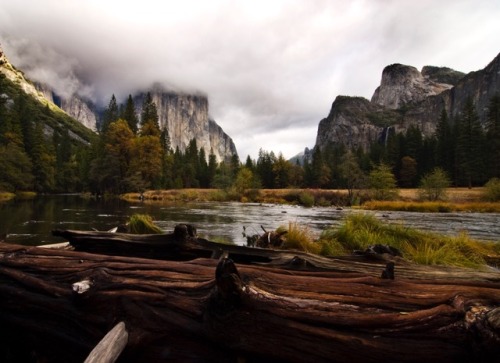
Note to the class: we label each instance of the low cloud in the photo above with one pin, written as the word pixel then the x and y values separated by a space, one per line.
pixel 271 69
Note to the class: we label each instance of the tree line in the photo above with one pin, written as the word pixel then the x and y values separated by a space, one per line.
pixel 132 154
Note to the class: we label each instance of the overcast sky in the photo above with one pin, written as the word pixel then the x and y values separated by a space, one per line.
pixel 271 69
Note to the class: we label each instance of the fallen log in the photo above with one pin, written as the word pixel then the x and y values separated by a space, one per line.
pixel 183 245
pixel 209 311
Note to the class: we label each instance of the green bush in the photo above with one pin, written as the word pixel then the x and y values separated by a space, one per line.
pixel 492 190
pixel 433 185
pixel 306 199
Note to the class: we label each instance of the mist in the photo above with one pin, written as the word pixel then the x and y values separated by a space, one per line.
pixel 271 70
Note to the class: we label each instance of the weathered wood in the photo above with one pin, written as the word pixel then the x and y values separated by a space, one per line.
pixel 110 347
pixel 181 245
pixel 186 311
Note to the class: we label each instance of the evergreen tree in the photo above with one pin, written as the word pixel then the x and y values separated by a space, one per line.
pixel 212 167
pixel 493 136
pixel 15 169
pixel 281 171
pixel 130 115
pixel 264 168
pixel 149 113
pixel 111 114
pixel 382 183
pixel 470 145
pixel 445 144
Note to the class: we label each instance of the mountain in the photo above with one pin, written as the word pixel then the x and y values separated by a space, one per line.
pixel 407 97
pixel 82 110
pixel 186 117
pixel 55 119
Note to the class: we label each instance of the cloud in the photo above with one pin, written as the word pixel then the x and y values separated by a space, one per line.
pixel 271 69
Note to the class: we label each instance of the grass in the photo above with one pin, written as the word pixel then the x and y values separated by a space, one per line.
pixel 362 230
pixel 300 238
pixel 142 224
pixel 433 207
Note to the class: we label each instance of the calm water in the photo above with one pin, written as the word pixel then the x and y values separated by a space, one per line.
pixel 31 222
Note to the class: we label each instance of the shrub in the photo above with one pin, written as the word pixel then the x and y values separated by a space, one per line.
pixel 433 185
pixel 382 183
pixel 492 190
pixel 306 199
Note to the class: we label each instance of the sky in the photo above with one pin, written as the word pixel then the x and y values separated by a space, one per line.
pixel 271 69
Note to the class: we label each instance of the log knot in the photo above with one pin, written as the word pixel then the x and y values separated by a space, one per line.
pixel 388 272
pixel 229 288
pixel 184 231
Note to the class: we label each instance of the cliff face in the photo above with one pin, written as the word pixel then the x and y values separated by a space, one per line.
pixel 185 116
pixel 76 107
pixel 16 76
pixel 404 84
pixel 408 97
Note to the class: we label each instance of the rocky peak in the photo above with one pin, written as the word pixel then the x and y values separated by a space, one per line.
pixel 443 75
pixel 355 122
pixel 186 117
pixel 402 84
pixel 407 97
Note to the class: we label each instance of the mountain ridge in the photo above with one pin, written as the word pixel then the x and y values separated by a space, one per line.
pixel 407 97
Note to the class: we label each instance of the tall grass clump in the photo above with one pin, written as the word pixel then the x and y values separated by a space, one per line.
pixel 300 238
pixel 362 230
pixel 142 224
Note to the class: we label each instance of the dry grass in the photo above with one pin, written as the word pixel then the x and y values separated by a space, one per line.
pixel 362 230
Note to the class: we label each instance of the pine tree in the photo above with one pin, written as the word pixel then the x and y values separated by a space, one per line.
pixel 470 145
pixel 111 114
pixel 149 115
pixel 130 115
pixel 445 144
pixel 493 136
pixel 212 167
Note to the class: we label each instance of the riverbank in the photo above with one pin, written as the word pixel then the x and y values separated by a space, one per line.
pixel 457 199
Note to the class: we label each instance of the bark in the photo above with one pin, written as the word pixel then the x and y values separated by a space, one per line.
pixel 204 310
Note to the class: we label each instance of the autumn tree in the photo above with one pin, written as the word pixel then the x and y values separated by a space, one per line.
pixel 407 171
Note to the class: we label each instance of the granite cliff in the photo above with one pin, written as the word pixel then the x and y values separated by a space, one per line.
pixel 404 98
pixel 186 117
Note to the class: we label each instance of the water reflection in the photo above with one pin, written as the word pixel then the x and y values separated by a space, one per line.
pixel 31 222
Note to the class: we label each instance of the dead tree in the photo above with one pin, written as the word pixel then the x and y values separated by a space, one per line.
pixel 56 305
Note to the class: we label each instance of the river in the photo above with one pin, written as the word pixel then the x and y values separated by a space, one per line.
pixel 31 222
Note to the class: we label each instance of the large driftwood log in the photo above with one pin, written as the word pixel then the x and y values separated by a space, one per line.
pixel 206 311
pixel 183 245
